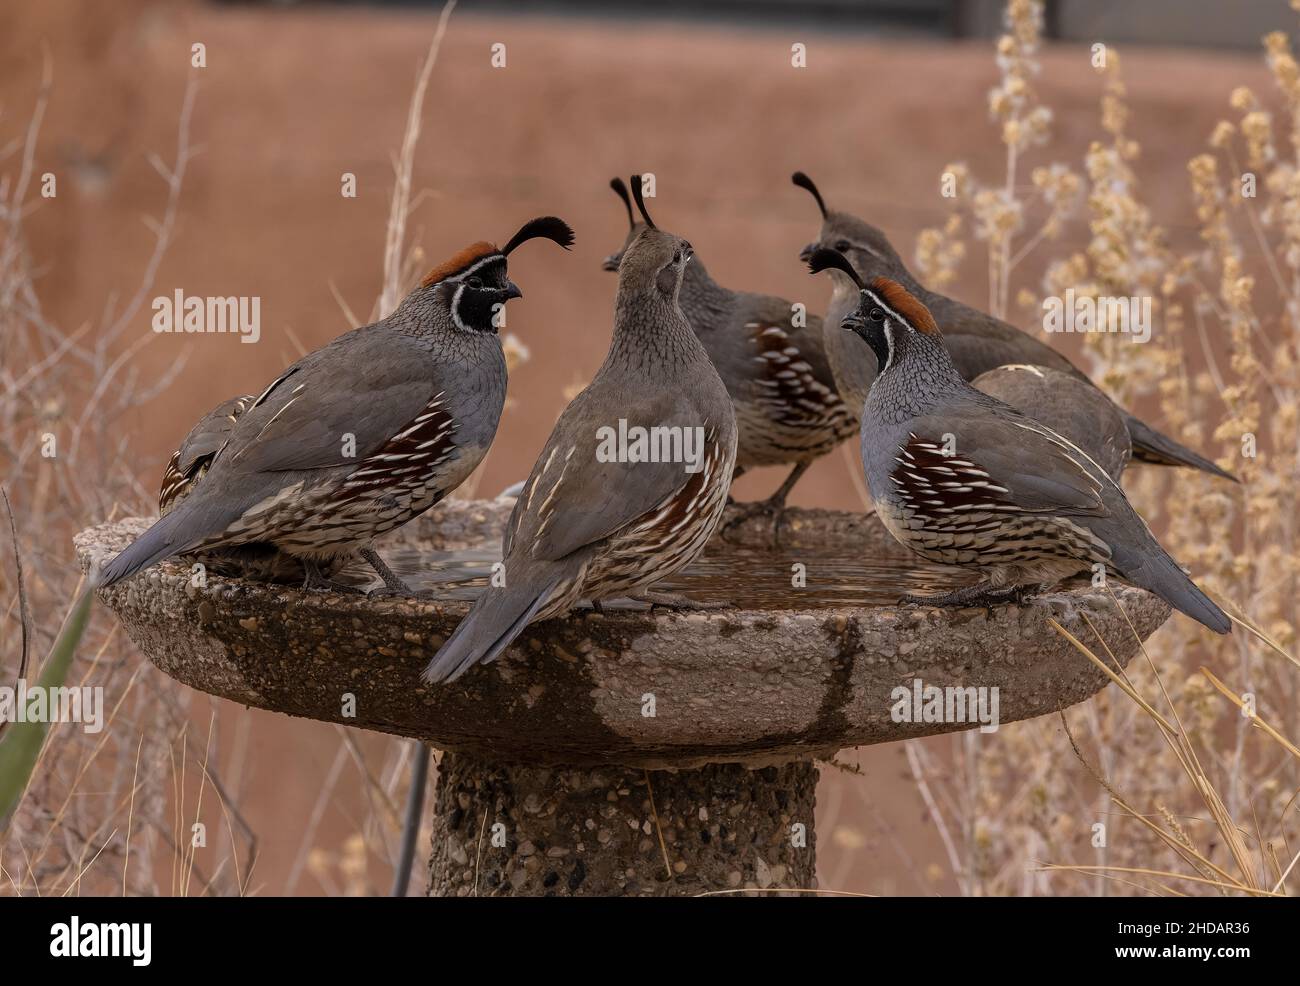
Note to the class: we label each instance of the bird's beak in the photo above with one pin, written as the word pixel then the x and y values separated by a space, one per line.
pixel 853 322
pixel 611 262
pixel 512 290
pixel 806 253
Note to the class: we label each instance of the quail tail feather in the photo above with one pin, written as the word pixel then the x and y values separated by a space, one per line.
pixel 496 619
pixel 193 521
pixel 171 535
pixel 1152 447
pixel 1152 569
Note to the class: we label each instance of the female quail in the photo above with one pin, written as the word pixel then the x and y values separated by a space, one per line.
pixel 590 525
pixel 358 437
pixel 963 479
pixel 788 411
pixel 977 342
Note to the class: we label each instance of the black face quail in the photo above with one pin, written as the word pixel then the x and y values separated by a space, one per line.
pixel 592 522
pixel 977 342
pixel 771 360
pixel 358 437
pixel 1069 406
pixel 963 479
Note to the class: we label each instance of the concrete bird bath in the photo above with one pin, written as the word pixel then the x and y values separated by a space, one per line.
pixel 631 752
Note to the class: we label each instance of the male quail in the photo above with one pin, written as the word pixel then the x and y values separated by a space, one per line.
pixel 1068 405
pixel 591 526
pixel 978 342
pixel 787 409
pixel 358 437
pixel 964 479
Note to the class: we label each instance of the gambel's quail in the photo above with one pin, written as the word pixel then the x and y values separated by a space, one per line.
pixel 977 342
pixel 592 522
pixel 771 360
pixel 964 479
pixel 358 437
pixel 1069 406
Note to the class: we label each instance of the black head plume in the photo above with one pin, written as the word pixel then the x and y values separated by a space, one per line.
pixel 617 185
pixel 640 202
pixel 803 181
pixel 545 226
pixel 824 258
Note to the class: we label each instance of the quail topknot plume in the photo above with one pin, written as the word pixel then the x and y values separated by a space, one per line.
pixel 788 411
pixel 358 437
pixel 964 479
pixel 977 342
pixel 589 525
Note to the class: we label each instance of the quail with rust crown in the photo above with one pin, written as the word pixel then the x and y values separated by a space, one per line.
pixel 592 526
pixel 964 479
pixel 788 411
pixel 976 341
pixel 356 438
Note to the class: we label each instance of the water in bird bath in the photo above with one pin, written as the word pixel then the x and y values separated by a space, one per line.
pixel 745 577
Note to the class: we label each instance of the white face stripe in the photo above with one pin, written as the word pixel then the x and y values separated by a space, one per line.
pixel 460 279
pixel 491 258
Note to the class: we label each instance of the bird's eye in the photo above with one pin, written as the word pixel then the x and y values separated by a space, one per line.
pixel 475 281
pixel 842 245
pixel 876 315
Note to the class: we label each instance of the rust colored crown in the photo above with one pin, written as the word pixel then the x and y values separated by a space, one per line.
pixel 458 262
pixel 906 304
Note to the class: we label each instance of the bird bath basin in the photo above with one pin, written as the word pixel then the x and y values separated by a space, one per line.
pixel 590 732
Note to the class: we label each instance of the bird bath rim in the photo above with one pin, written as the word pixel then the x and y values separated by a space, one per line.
pixel 627 687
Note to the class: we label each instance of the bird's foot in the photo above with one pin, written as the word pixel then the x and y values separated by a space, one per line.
pixel 771 507
pixel 980 594
pixel 676 600
pixel 402 591
pixel 316 582
pixel 393 585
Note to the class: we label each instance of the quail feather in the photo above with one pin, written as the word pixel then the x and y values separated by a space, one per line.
pixel 186 469
pixel 963 479
pixel 358 437
pixel 772 362
pixel 976 341
pixel 1069 406
pixel 593 526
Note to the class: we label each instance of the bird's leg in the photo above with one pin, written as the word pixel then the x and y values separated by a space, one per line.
pixel 393 584
pixel 774 505
pixel 674 600
pixel 980 594
pixel 316 582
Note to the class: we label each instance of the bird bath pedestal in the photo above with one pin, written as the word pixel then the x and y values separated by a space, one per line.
pixel 630 752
